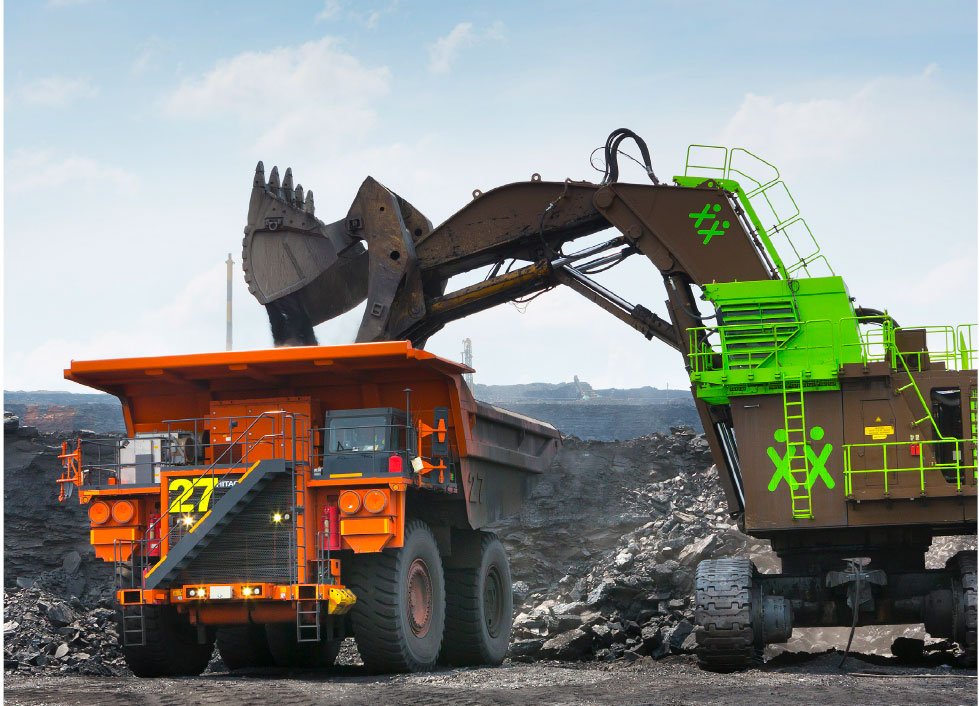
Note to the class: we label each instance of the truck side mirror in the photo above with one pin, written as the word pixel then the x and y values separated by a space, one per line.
pixel 440 437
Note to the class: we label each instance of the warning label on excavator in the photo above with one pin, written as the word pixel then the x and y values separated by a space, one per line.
pixel 879 432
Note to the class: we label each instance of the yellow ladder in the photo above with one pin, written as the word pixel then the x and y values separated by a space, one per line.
pixel 800 487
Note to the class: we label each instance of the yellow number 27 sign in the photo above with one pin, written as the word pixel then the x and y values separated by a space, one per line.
pixel 192 495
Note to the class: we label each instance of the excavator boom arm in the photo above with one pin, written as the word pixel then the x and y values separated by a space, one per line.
pixel 404 269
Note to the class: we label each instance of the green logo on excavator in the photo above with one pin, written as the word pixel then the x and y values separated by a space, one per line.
pixel 709 213
pixel 817 464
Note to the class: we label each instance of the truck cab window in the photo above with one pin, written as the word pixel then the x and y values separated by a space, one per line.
pixel 358 434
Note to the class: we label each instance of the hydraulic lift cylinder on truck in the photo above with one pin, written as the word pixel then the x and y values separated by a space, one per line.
pixel 276 501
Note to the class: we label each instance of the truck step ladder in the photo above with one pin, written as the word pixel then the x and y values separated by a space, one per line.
pixel 133 626
pixel 308 621
pixel 308 610
pixel 796 444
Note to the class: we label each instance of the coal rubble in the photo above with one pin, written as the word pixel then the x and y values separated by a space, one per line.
pixel 631 596
pixel 48 630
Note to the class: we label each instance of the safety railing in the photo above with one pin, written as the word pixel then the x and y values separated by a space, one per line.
pixel 771 207
pixel 818 340
pixel 893 455
pixel 99 463
pixel 955 347
pixel 763 345
pixel 292 444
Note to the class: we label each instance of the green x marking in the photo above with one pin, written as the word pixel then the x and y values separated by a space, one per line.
pixel 817 463
pixel 716 227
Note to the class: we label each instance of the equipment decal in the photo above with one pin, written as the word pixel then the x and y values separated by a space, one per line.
pixel 716 227
pixel 194 495
pixel 879 432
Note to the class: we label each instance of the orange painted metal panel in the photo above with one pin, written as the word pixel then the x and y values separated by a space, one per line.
pixel 366 525
pixel 103 539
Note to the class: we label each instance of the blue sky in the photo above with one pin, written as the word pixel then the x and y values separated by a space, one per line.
pixel 132 129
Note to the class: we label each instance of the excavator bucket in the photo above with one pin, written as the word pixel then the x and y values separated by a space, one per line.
pixel 301 269
pixel 305 271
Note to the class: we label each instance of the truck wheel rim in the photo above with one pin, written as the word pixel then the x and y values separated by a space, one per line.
pixel 493 601
pixel 419 598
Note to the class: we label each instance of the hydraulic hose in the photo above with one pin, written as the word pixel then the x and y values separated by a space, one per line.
pixel 874 316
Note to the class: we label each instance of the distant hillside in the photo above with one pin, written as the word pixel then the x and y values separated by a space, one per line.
pixel 572 407
pixel 576 391
pixel 53 411
pixel 56 397
pixel 601 414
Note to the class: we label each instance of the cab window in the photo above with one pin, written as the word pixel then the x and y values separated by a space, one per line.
pixel 358 434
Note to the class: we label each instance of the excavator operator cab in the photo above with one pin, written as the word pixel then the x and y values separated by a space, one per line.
pixel 364 443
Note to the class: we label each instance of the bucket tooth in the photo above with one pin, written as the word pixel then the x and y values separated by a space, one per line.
pixel 309 203
pixel 287 186
pixel 299 195
pixel 274 181
pixel 258 197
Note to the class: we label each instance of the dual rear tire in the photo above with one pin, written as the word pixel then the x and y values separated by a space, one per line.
pixel 412 614
pixel 479 608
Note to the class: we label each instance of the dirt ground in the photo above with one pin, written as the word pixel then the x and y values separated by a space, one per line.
pixel 670 682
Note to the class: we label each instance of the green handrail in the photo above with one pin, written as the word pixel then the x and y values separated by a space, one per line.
pixel 885 446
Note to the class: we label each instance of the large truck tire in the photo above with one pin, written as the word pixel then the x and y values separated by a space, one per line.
pixel 726 639
pixel 286 650
pixel 243 647
pixel 479 608
pixel 399 617
pixel 171 647
pixel 963 567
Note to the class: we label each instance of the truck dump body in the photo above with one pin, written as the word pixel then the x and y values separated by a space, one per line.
pixel 249 476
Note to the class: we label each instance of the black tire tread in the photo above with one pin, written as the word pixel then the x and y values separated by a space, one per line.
pixel 375 617
pixel 965 565
pixel 725 637
pixel 463 644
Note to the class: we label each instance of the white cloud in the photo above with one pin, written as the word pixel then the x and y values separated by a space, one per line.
pixel 835 126
pixel 331 10
pixel 443 52
pixel 57 91
pixel 496 31
pixel 306 94
pixel 148 50
pixel 334 9
pixel 29 170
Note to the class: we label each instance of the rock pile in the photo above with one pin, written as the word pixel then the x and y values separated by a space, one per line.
pixel 631 521
pixel 46 629
pixel 39 531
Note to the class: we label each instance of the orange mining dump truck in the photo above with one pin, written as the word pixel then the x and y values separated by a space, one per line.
pixel 276 501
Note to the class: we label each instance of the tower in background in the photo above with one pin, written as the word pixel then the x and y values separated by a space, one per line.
pixel 467 359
